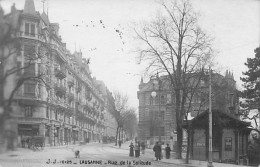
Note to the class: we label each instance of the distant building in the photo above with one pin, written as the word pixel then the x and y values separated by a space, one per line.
pixel 69 108
pixel 110 121
pixel 157 114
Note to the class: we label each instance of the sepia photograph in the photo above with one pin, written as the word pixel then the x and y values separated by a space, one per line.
pixel 158 83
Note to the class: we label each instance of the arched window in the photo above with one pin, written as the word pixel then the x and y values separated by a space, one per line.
pixel 162 99
pixel 151 100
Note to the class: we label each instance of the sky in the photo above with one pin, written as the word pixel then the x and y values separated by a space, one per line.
pixel 101 29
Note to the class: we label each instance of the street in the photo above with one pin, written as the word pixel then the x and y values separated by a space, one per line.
pixel 93 154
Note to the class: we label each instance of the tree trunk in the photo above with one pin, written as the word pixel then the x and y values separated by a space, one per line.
pixel 179 142
pixel 2 136
pixel 188 145
pixel 116 135
pixel 119 134
pixel 179 123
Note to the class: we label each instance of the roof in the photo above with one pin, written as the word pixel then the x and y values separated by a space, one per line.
pixel 29 7
pixel 45 18
pixel 218 116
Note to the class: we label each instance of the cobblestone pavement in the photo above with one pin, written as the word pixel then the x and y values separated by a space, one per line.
pixel 93 154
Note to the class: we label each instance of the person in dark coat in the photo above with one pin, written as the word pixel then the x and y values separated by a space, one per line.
pixel 119 143
pixel 158 151
pixel 131 154
pixel 139 148
pixel 143 147
pixel 136 150
pixel 167 152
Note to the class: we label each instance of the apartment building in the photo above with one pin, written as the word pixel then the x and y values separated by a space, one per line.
pixel 64 106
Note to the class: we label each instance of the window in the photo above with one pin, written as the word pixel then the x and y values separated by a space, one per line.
pixel 33 30
pixel 47 112
pixel 27 26
pixel 162 115
pixel 151 100
pixel 28 111
pixel 161 131
pixel 162 99
pixel 29 29
pixel 56 115
pixel 29 89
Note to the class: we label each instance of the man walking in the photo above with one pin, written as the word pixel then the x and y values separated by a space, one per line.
pixel 158 151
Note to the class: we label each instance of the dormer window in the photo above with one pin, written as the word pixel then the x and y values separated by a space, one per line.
pixel 29 29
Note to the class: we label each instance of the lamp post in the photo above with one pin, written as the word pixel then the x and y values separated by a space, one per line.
pixel 154 94
pixel 210 123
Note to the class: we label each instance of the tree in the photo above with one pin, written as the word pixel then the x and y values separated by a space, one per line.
pixel 14 75
pixel 175 45
pixel 120 109
pixel 130 122
pixel 251 92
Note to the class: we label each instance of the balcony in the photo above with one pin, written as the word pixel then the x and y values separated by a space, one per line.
pixel 70 83
pixel 87 107
pixel 78 88
pixel 70 96
pixel 60 73
pixel 60 90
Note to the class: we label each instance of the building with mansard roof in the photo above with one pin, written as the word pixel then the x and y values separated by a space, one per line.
pixel 157 114
pixel 67 107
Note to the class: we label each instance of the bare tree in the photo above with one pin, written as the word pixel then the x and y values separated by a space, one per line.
pixel 120 109
pixel 175 45
pixel 130 122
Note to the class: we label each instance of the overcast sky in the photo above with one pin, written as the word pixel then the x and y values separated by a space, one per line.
pixel 233 23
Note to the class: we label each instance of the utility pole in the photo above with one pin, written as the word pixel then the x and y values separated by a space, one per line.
pixel 210 123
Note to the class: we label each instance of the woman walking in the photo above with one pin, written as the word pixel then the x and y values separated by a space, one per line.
pixel 167 152
pixel 131 154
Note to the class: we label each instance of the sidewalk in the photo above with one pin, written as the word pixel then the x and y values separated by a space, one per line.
pixel 192 163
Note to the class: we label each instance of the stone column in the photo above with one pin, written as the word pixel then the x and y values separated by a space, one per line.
pixel 42 129
pixel 62 135
pixel 52 135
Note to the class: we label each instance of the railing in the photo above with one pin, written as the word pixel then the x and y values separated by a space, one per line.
pixel 33 119
pixel 60 89
pixel 60 73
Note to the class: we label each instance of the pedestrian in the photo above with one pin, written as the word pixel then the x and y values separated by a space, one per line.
pixel 119 143
pixel 131 154
pixel 167 152
pixel 136 149
pixel 139 148
pixel 23 142
pixel 28 141
pixel 143 147
pixel 158 151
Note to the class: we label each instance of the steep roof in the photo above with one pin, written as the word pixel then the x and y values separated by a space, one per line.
pixel 219 116
pixel 29 7
pixel 45 18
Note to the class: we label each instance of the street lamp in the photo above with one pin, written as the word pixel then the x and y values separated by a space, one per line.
pixel 210 123
pixel 153 94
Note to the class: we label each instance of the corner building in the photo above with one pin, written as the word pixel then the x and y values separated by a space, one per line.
pixel 68 108
pixel 157 119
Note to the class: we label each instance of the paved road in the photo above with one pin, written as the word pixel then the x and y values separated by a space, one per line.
pixel 91 155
